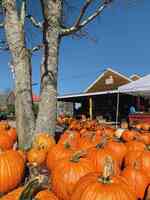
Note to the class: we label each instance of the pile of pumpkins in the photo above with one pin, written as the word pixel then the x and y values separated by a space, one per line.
pixel 90 161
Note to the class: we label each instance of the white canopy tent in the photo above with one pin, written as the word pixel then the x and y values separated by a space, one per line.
pixel 140 87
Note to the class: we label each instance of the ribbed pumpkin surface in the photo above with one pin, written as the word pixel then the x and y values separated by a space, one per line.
pixel 11 170
pixel 45 195
pixel 90 188
pixel 14 195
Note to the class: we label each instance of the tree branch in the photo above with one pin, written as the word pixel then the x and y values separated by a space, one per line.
pixel 82 12
pixel 36 48
pixel 23 12
pixel 79 25
pixel 35 22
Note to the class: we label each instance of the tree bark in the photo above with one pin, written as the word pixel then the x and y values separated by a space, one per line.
pixel 21 60
pixel 52 12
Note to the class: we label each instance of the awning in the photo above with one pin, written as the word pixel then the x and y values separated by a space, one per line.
pixel 139 87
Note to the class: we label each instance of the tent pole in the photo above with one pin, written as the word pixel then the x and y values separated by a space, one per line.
pixel 117 110
pixel 90 108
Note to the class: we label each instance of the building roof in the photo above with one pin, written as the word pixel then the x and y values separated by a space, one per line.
pixel 100 84
pixel 135 77
pixel 81 95
pixel 35 98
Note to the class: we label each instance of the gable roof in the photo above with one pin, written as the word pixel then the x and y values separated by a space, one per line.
pixel 102 75
pixel 135 77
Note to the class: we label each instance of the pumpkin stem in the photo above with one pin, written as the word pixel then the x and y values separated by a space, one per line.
pixel 32 187
pixel 102 143
pixel 148 147
pixel 136 165
pixel 67 145
pixel 76 156
pixel 107 171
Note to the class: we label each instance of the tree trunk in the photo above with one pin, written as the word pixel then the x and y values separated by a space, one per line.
pixel 21 60
pixel 46 120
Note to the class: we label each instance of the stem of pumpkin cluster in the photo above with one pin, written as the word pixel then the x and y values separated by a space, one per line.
pixel 76 157
pixel 107 171
pixel 67 145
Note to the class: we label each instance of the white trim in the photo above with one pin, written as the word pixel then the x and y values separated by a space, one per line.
pixel 101 75
pixel 87 94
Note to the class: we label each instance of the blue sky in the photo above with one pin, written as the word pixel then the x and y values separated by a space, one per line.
pixel 122 36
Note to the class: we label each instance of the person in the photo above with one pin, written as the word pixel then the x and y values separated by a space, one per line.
pixel 132 109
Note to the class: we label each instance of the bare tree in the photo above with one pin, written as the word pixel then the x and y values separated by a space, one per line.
pixel 14 27
pixel 53 30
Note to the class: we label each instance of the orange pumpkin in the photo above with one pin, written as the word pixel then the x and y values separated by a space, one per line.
pixel 98 155
pixel 45 195
pixel 66 174
pixel 144 160
pixel 58 152
pixel 145 138
pixel 137 180
pixel 5 141
pixel 11 170
pixel 96 187
pixel 43 141
pixel 130 158
pixel 13 195
pixel 4 126
pixel 12 133
pixel 117 148
pixel 70 137
pixel 129 135
pixel 135 146
pixel 37 156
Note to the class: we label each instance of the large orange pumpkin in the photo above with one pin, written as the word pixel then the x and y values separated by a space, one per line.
pixel 11 170
pixel 66 174
pixel 137 180
pixel 96 187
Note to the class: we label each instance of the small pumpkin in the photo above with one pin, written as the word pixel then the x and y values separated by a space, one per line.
pixel 58 152
pixel 37 156
pixel 6 142
pixel 129 135
pixel 12 133
pixel 43 141
pixel 71 137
